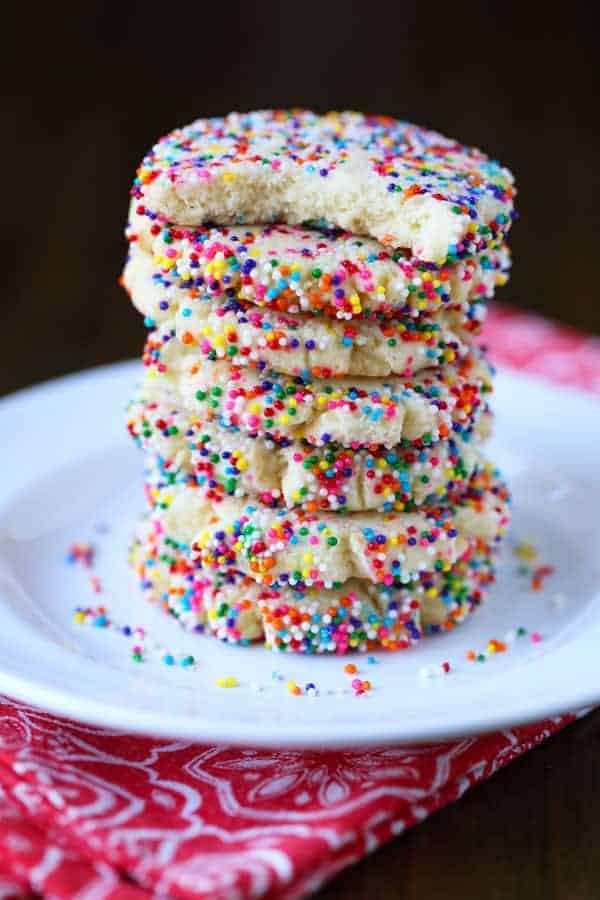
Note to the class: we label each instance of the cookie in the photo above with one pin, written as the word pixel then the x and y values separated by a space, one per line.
pixel 300 270
pixel 323 549
pixel 294 343
pixel 229 462
pixel 401 184
pixel 357 616
pixel 238 610
pixel 351 411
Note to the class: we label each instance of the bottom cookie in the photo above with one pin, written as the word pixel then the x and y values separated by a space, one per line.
pixel 357 616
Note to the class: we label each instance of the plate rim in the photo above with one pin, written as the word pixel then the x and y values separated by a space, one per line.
pixel 63 704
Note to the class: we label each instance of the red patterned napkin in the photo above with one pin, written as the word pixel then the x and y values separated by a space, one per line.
pixel 90 813
pixel 114 816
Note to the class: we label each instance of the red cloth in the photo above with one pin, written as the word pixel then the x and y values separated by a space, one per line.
pixel 100 815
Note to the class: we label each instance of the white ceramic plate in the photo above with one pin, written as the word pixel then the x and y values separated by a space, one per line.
pixel 70 473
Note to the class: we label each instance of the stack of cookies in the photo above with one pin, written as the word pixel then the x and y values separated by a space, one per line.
pixel 314 403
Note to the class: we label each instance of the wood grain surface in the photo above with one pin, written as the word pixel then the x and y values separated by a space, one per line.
pixel 88 88
pixel 531 832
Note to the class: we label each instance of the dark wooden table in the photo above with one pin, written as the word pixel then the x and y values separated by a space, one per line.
pixel 86 94
pixel 532 832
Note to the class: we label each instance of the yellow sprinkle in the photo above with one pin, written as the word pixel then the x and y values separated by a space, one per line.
pixel 228 176
pixel 228 682
pixel 525 551
pixel 79 617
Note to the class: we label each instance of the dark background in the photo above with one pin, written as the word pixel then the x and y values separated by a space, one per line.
pixel 89 88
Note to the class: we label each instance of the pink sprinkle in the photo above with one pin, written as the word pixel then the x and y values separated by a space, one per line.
pixel 536 637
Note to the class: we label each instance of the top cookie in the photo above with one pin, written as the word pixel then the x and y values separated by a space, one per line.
pixel 372 175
